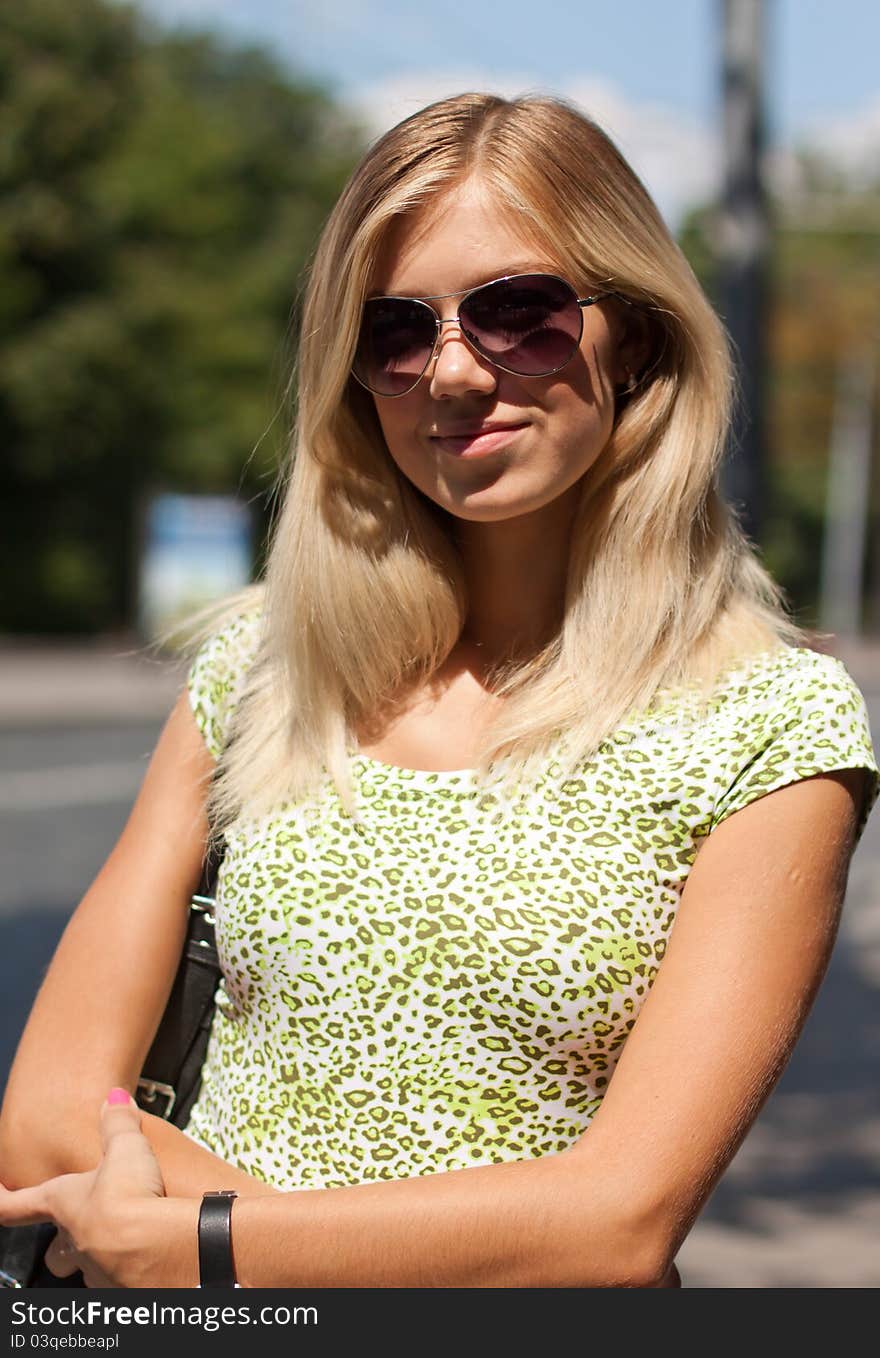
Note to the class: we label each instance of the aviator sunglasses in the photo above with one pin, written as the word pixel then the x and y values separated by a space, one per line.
pixel 529 324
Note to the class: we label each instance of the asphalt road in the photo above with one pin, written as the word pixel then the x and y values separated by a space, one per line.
pixel 799 1206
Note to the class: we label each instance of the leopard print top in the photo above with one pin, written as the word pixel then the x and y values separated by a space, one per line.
pixel 446 983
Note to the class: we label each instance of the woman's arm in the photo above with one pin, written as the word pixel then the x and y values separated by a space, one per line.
pixel 100 1003
pixel 750 945
pixel 751 942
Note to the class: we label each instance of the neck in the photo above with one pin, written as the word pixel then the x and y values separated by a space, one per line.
pixel 516 571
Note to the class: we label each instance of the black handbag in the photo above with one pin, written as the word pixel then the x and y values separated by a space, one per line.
pixel 172 1072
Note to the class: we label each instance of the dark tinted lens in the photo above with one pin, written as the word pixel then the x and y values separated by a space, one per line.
pixel 396 341
pixel 530 324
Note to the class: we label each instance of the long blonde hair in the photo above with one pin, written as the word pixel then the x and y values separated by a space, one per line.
pixel 364 592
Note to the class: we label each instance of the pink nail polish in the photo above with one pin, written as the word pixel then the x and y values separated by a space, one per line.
pixel 119 1096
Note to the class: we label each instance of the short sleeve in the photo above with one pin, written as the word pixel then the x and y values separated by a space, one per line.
pixel 812 719
pixel 216 676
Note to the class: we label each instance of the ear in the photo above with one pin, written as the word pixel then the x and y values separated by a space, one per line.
pixel 634 342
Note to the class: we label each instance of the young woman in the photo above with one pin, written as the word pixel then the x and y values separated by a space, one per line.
pixel 538 807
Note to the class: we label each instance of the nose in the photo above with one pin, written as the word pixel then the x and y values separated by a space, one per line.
pixel 455 368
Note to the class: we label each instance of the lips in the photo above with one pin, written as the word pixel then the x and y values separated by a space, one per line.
pixel 476 439
pixel 466 431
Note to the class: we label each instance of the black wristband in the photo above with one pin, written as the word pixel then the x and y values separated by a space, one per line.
pixel 216 1267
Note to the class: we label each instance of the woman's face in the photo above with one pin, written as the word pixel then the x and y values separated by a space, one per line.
pixel 540 434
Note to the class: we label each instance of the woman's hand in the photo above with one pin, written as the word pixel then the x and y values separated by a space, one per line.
pixel 115 1223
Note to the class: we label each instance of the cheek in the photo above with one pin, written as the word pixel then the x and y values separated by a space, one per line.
pixel 587 402
pixel 398 422
pixel 579 409
pixel 598 351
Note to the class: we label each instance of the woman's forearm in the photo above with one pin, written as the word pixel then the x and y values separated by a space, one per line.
pixel 560 1221
pixel 29 1155
pixel 189 1170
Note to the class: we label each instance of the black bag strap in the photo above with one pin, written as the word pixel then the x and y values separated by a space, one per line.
pixel 171 1074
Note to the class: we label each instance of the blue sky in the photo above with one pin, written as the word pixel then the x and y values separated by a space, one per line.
pixel 646 69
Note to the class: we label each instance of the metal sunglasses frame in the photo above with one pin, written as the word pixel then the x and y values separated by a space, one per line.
pixel 465 294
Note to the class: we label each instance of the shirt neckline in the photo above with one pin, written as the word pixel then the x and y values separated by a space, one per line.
pixel 413 775
pixel 749 665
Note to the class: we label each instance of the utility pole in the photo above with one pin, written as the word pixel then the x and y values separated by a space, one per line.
pixel 743 245
pixel 848 497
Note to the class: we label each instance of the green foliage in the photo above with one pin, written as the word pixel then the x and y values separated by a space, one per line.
pixel 159 198
pixel 823 276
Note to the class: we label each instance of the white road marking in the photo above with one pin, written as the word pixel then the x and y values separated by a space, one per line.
pixel 71 785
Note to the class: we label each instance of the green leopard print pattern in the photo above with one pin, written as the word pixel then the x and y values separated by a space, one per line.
pixel 450 980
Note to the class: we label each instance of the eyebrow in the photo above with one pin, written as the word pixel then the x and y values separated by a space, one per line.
pixel 528 266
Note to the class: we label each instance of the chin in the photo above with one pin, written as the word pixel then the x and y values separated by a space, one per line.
pixel 498 512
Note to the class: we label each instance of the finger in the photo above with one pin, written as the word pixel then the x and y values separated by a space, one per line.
pixel 25 1206
pixel 119 1115
pixel 129 1165
pixel 62 1258
pixel 94 1277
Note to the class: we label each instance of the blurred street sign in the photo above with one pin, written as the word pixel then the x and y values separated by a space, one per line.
pixel 195 548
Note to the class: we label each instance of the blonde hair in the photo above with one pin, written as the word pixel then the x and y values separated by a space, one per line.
pixel 364 592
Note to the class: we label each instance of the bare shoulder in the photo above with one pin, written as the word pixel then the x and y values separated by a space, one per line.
pixel 156 861
pixel 168 815
pixel 802 833
pixel 750 945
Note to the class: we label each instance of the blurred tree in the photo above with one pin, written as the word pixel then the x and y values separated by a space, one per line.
pixel 159 196
pixel 824 308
